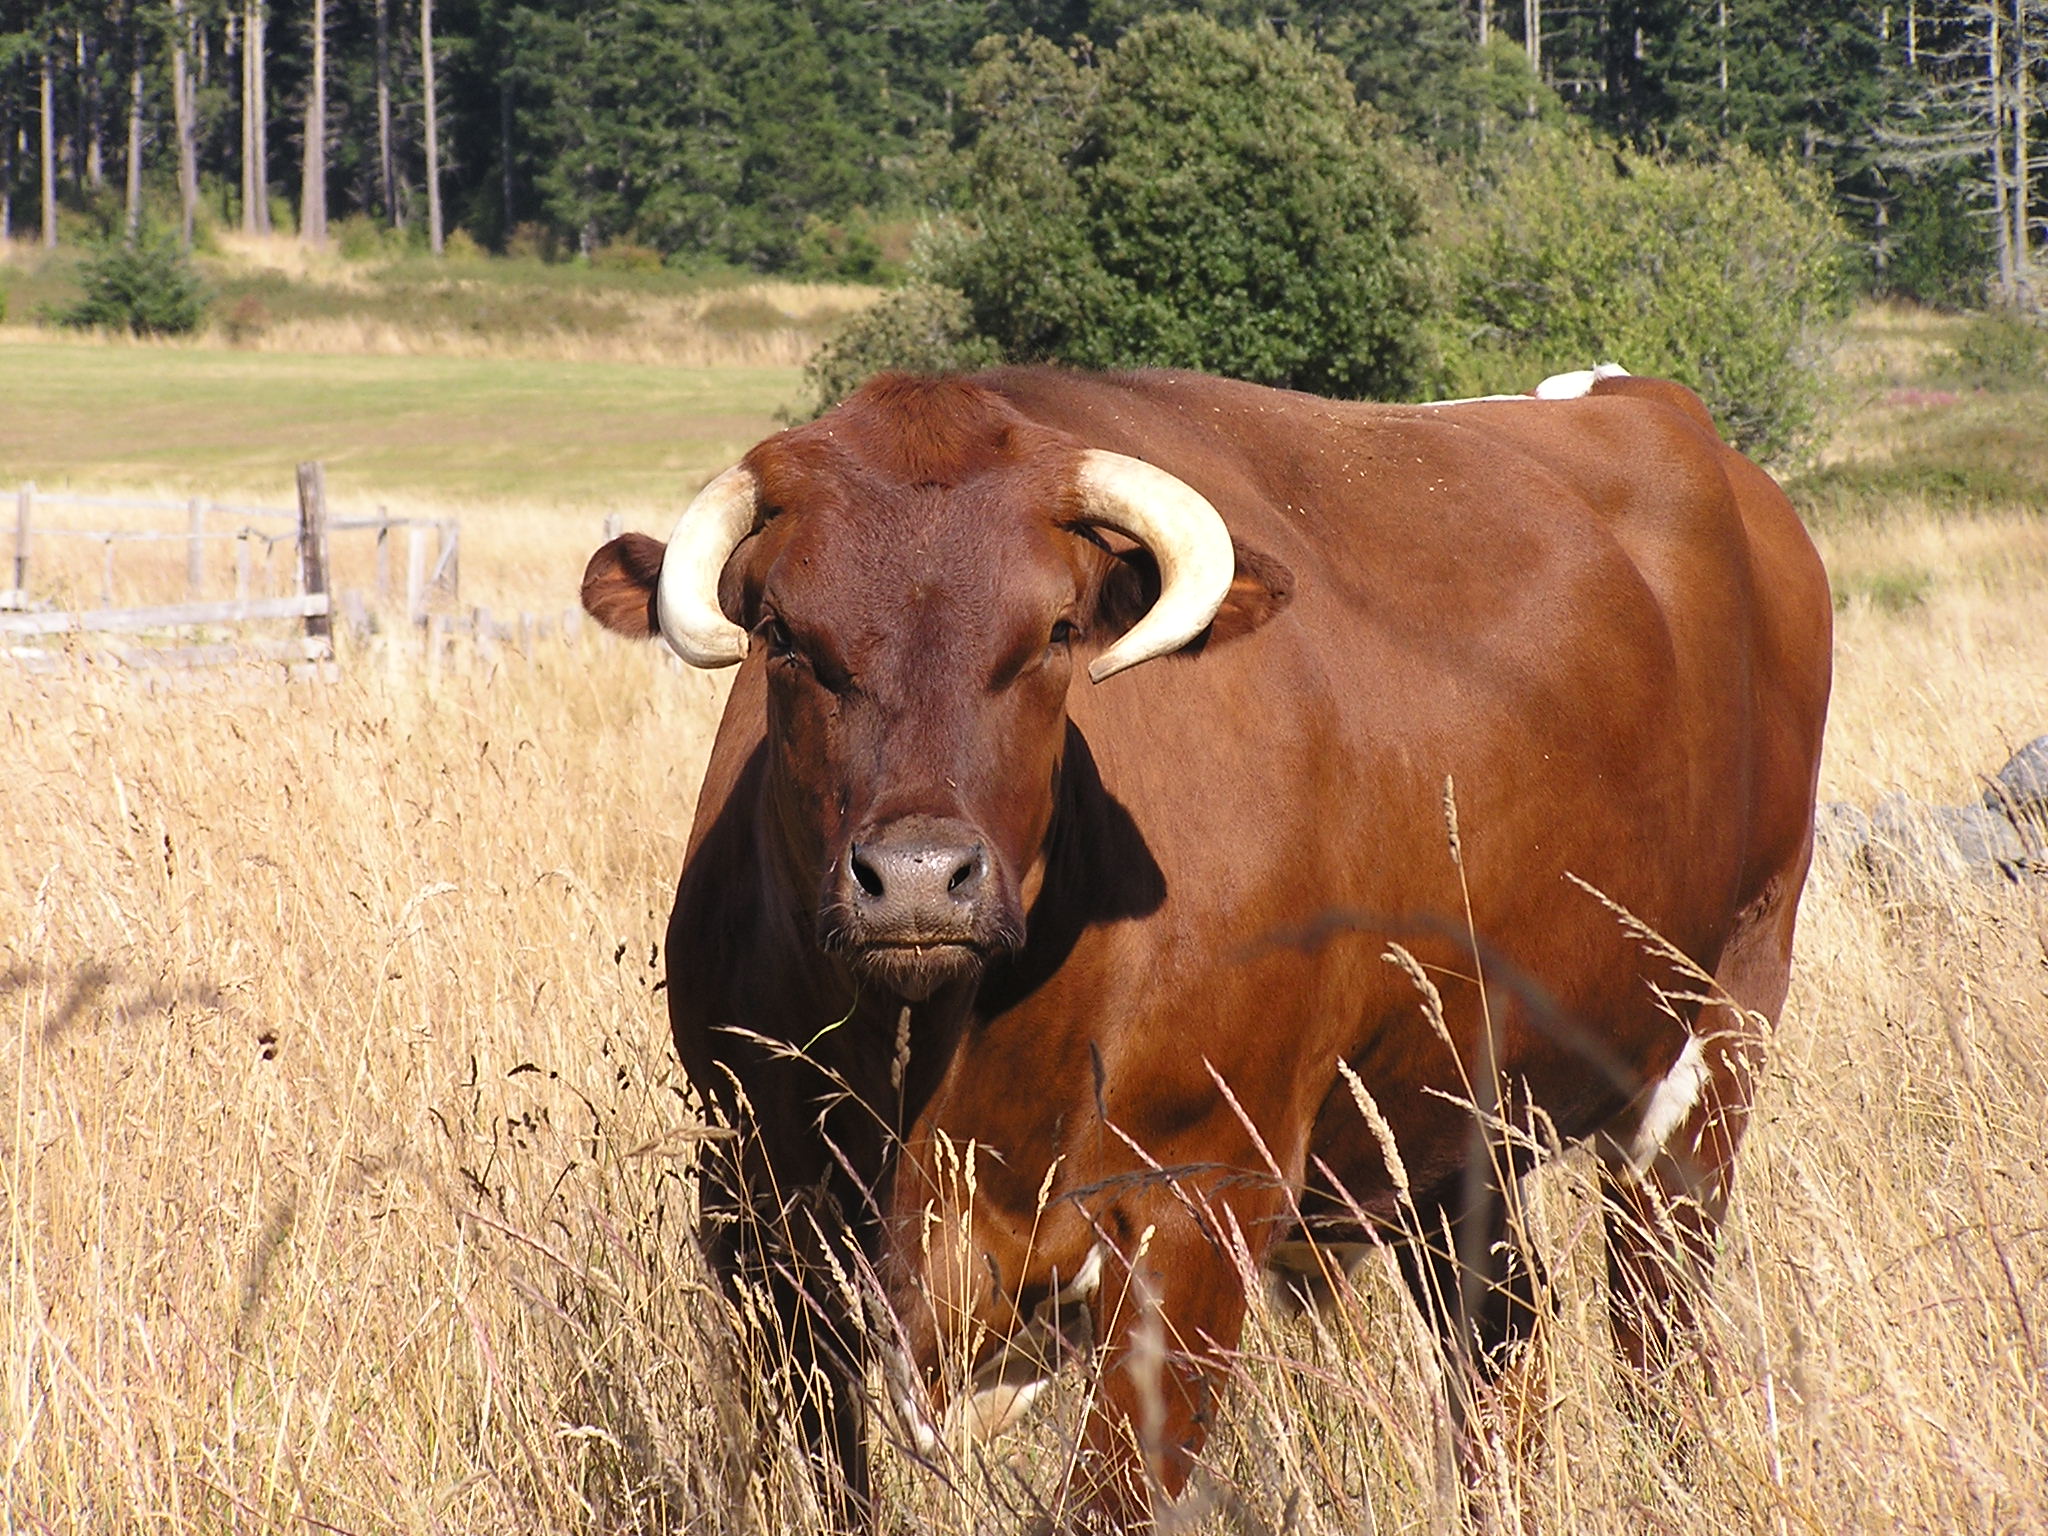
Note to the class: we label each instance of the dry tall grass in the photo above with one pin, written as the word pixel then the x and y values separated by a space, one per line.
pixel 343 1169
pixel 278 295
pixel 765 324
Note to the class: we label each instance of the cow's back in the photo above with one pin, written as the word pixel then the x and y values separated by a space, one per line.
pixel 1599 625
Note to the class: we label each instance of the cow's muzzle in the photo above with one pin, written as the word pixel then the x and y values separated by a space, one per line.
pixel 918 903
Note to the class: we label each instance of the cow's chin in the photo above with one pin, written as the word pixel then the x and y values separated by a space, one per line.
pixel 914 972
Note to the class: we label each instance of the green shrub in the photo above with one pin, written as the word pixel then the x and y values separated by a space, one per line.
pixel 840 248
pixel 244 318
pixel 530 241
pixel 1726 275
pixel 1198 198
pixel 623 256
pixel 1194 198
pixel 1999 352
pixel 1888 591
pixel 461 245
pixel 922 328
pixel 362 238
pixel 146 286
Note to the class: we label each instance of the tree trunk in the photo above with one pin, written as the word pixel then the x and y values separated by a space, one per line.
pixel 249 178
pixel 1721 20
pixel 1532 33
pixel 182 111
pixel 2022 171
pixel 90 112
pixel 387 177
pixel 433 129
pixel 49 151
pixel 255 131
pixel 1994 65
pixel 313 178
pixel 1485 22
pixel 505 147
pixel 135 102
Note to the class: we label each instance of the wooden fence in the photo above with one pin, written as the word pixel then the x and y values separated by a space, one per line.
pixel 432 571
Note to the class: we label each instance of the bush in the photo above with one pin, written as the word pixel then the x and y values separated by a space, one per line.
pixel 461 246
pixel 1999 352
pixel 362 238
pixel 530 241
pixel 844 249
pixel 146 287
pixel 623 256
pixel 246 318
pixel 923 328
pixel 1725 275
pixel 1200 198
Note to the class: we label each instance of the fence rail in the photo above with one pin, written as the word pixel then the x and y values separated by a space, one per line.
pixel 432 569
pixel 311 605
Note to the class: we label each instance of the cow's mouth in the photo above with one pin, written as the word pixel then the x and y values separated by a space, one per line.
pixel 915 969
pixel 917 904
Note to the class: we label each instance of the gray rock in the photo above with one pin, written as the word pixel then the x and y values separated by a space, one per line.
pixel 2020 791
pixel 1911 843
pixel 1840 830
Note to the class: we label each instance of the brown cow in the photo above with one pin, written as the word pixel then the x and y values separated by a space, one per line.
pixel 943 892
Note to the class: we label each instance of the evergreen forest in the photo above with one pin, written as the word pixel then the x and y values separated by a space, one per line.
pixel 794 135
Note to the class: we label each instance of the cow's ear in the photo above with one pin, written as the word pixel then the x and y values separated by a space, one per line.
pixel 620 582
pixel 1130 586
pixel 1260 589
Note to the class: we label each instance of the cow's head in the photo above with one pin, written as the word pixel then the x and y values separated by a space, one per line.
pixel 917 573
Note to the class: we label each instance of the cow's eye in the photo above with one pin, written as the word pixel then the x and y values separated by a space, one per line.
pixel 1062 633
pixel 780 645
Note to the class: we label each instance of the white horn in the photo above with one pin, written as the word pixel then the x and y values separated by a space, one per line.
pixel 1186 536
pixel 686 601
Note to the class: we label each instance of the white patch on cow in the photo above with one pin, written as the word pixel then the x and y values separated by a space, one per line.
pixel 1470 400
pixel 1671 1101
pixel 991 1411
pixel 1577 384
pixel 1559 386
pixel 1007 1385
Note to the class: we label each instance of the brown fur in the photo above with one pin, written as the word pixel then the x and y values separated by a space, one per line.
pixel 619 583
pixel 1603 625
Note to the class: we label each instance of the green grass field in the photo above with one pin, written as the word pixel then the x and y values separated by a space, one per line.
pixel 187 420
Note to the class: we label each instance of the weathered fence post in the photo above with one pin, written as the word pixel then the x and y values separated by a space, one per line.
pixel 383 583
pixel 24 510
pixel 614 525
pixel 448 564
pixel 243 564
pixel 313 550
pixel 416 574
pixel 195 548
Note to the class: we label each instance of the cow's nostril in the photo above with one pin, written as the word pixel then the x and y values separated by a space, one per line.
pixel 866 875
pixel 968 872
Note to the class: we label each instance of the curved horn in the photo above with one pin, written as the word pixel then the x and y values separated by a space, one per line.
pixel 1186 536
pixel 686 601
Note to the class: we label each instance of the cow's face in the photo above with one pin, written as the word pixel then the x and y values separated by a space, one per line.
pixel 917 644
pixel 916 608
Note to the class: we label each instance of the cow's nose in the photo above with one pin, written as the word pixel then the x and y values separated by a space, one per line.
pixel 924 879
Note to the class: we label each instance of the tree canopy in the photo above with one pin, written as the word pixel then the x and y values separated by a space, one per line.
pixel 780 134
pixel 1194 197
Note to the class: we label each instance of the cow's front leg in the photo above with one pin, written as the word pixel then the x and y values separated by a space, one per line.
pixel 1169 1314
